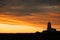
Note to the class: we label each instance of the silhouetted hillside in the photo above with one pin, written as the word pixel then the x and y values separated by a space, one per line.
pixel 31 36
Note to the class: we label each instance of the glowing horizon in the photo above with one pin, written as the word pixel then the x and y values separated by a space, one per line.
pixel 12 25
pixel 31 13
pixel 8 25
pixel 6 28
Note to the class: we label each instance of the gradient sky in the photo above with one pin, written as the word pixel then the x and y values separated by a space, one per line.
pixel 32 15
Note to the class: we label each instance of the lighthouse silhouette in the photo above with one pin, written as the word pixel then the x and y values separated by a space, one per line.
pixel 49 27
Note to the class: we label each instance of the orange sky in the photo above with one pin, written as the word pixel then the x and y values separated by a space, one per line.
pixel 12 24
pixel 27 16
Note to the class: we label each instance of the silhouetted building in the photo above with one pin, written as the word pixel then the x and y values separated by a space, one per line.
pixel 49 28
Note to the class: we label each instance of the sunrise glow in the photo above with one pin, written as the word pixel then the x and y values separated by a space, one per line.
pixel 24 16
pixel 8 25
pixel 6 28
pixel 12 25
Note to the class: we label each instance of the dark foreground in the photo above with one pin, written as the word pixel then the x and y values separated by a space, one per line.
pixel 31 36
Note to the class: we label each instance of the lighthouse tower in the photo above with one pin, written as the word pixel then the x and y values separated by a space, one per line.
pixel 49 28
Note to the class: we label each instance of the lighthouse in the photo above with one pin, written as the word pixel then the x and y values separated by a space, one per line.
pixel 49 27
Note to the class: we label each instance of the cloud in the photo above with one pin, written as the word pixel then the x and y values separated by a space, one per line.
pixel 28 10
pixel 49 2
pixel 34 11
pixel 29 2
pixel 28 5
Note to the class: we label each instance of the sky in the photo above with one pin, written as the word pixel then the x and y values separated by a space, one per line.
pixel 32 15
